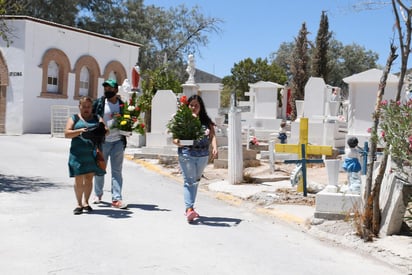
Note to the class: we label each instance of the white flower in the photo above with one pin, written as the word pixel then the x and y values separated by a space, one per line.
pixel 130 108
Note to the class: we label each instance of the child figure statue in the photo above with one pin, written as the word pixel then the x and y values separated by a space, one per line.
pixel 352 165
pixel 282 133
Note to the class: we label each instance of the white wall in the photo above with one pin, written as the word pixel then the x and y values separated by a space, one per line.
pixel 362 100
pixel 26 111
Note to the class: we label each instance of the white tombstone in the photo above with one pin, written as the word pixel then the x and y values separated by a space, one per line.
pixel 266 112
pixel 210 93
pixel 363 89
pixel 316 96
pixel 164 106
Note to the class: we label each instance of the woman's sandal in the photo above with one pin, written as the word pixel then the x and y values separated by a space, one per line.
pixel 78 210
pixel 87 208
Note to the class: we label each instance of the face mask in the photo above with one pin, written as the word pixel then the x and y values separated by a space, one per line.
pixel 109 94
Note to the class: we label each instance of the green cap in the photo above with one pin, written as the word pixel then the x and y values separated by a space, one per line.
pixel 110 82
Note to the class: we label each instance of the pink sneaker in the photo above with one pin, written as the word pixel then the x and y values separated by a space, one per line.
pixel 119 204
pixel 197 214
pixel 191 215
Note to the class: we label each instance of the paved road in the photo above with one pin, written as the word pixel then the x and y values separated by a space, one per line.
pixel 40 235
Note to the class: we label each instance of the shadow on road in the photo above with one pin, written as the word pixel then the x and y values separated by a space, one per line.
pixel 112 213
pixel 147 207
pixel 9 183
pixel 216 221
pixel 105 208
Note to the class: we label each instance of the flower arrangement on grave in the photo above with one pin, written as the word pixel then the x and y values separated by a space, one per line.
pixel 396 130
pixel 185 125
pixel 128 120
pixel 254 141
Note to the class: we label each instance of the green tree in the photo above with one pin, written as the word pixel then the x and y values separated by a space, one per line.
pixel 299 67
pixel 173 34
pixel 102 16
pixel 152 81
pixel 62 11
pixel 320 58
pixel 249 71
pixel 341 61
pixel 283 57
pixel 8 7
pixel 357 59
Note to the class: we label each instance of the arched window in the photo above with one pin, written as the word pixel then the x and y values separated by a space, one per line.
pixel 112 75
pixel 56 67
pixel 115 70
pixel 84 86
pixel 52 77
pixel 87 73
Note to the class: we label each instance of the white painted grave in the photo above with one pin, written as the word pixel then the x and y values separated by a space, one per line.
pixel 267 101
pixel 164 106
pixel 363 89
pixel 324 127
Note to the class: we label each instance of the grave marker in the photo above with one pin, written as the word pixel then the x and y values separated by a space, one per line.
pixel 303 162
pixel 303 139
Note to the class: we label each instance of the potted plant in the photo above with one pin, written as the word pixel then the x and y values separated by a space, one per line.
pixel 184 125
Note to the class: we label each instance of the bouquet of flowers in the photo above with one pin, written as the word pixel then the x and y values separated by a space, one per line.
pixel 185 125
pixel 128 119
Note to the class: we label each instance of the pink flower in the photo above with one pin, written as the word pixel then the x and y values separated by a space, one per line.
pixel 254 141
pixel 384 102
pixel 383 134
pixel 369 130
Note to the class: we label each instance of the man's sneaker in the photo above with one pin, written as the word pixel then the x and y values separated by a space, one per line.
pixel 191 215
pixel 97 200
pixel 119 204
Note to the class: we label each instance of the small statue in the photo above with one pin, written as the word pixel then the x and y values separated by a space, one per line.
pixel 191 69
pixel 352 165
pixel 282 133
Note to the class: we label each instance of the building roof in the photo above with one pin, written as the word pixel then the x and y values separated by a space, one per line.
pixel 372 75
pixel 204 77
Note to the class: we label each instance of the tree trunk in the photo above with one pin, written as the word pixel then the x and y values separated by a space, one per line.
pixel 376 222
pixel 371 199
pixel 148 120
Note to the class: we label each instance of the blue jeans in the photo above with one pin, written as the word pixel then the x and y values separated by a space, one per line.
pixel 192 170
pixel 114 151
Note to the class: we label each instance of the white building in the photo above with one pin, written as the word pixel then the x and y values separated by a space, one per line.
pixel 50 64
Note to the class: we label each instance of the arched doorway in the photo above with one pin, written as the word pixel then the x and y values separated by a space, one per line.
pixel 4 82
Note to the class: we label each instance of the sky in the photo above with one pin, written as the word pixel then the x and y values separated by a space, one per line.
pixel 257 28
